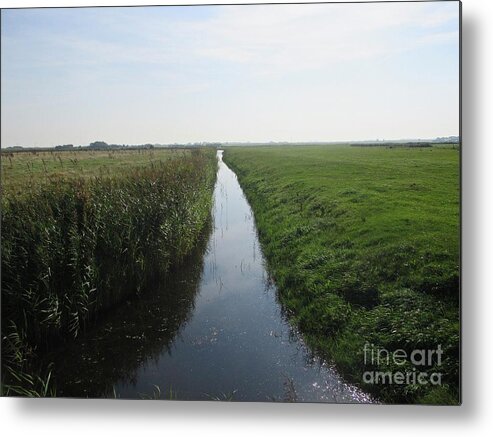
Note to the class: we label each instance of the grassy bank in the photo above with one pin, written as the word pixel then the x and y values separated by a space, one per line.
pixel 75 243
pixel 363 244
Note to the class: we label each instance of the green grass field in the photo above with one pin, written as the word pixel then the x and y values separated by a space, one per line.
pixel 23 169
pixel 363 244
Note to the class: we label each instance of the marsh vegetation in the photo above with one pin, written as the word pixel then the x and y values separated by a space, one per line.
pixel 83 231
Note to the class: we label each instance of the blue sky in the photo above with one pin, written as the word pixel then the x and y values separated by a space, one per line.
pixel 323 72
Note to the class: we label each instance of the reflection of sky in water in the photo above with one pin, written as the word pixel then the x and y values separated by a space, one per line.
pixel 237 339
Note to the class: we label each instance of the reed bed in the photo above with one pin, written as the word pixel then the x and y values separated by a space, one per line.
pixel 73 247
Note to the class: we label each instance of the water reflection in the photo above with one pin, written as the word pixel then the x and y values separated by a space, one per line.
pixel 219 334
pixel 132 335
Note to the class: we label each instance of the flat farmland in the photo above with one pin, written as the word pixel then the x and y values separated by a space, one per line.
pixel 28 168
pixel 363 244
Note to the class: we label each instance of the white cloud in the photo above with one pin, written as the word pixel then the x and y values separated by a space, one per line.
pixel 267 38
pixel 297 37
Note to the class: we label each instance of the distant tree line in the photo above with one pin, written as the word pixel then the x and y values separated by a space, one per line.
pixel 101 145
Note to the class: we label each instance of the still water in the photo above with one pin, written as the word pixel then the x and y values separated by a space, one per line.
pixel 217 331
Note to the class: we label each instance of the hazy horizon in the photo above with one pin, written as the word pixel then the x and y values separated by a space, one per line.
pixel 259 73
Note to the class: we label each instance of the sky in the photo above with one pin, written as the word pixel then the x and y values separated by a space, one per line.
pixel 326 72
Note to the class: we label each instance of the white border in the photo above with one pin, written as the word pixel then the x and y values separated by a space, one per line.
pixel 22 417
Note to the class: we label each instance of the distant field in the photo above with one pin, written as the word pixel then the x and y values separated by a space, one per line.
pixel 24 168
pixel 363 243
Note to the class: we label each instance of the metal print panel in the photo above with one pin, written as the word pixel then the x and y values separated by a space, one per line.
pixel 232 203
